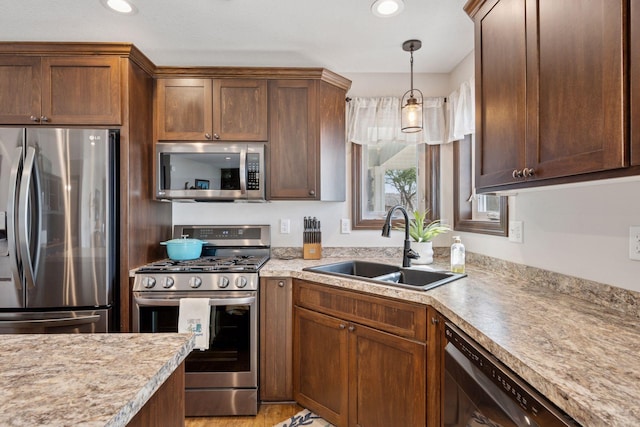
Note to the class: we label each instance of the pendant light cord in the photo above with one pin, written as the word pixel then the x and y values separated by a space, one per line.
pixel 411 61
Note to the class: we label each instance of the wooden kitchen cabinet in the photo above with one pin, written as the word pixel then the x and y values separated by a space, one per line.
pixel 197 109
pixel 634 66
pixel 359 359
pixel 64 90
pixel 307 154
pixel 276 339
pixel 436 343
pixel 550 89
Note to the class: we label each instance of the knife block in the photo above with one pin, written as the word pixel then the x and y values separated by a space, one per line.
pixel 312 250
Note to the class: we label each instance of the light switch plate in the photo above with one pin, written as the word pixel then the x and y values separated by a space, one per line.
pixel 634 243
pixel 345 226
pixel 515 231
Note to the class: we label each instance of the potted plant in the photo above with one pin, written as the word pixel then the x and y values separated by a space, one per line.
pixel 422 231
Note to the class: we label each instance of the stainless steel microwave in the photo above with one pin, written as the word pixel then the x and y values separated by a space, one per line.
pixel 209 171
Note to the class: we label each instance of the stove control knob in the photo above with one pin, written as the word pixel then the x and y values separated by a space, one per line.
pixel 223 282
pixel 195 282
pixel 149 282
pixel 168 282
pixel 241 282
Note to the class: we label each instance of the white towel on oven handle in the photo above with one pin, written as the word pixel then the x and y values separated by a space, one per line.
pixel 193 316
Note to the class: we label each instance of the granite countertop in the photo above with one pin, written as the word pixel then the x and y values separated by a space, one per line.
pixel 583 356
pixel 84 379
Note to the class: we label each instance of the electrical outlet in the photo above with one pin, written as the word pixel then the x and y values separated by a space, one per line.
pixel 634 243
pixel 285 226
pixel 345 226
pixel 515 231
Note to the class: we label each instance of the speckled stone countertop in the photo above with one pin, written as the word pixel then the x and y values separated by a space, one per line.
pixel 84 379
pixel 583 356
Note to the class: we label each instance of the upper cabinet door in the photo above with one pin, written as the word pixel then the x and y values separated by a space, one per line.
pixel 575 86
pixel 634 47
pixel 19 89
pixel 240 110
pixel 293 141
pixel 81 90
pixel 184 109
pixel 500 49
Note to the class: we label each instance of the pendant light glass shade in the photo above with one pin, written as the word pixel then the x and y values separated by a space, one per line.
pixel 411 118
pixel 411 111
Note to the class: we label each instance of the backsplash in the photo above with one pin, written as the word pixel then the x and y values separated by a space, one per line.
pixel 619 299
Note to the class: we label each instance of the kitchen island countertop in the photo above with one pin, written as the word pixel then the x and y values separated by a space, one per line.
pixel 582 356
pixel 84 379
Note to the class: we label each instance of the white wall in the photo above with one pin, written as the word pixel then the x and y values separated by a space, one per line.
pixel 580 230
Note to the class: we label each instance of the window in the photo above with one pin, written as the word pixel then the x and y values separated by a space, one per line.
pixel 391 173
pixel 481 213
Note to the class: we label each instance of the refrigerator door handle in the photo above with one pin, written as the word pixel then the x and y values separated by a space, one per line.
pixel 63 321
pixel 23 219
pixel 12 247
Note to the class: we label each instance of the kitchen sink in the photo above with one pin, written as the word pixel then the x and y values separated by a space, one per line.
pixel 385 274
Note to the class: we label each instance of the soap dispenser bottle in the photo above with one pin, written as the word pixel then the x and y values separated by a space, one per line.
pixel 457 256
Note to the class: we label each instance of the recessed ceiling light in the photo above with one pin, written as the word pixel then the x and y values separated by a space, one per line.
pixel 387 8
pixel 121 6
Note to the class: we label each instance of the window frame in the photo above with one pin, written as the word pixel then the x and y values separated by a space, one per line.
pixel 463 187
pixel 429 193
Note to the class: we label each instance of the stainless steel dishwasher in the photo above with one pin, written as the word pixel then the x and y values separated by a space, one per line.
pixel 481 391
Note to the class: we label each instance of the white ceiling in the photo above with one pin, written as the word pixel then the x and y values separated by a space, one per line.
pixel 341 35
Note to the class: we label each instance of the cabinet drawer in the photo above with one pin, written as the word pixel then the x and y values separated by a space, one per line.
pixel 397 317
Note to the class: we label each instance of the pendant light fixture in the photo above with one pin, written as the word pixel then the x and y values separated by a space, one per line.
pixel 411 113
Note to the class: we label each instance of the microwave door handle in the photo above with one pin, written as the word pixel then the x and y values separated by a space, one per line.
pixel 243 171
pixel 12 248
pixel 23 218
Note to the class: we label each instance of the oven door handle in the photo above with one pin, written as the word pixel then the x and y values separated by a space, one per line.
pixel 212 301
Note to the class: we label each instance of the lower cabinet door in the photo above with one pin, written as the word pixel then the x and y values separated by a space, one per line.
pixel 387 379
pixel 320 364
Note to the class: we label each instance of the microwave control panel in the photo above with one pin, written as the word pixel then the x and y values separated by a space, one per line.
pixel 253 171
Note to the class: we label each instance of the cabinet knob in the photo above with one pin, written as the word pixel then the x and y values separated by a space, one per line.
pixel 281 284
pixel 435 320
pixel 44 119
pixel 527 172
pixel 351 328
pixel 312 192
pixel 216 136
pixel 342 326
pixel 516 174
pixel 207 135
pixel 34 119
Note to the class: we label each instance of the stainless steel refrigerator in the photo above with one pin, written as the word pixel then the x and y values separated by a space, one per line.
pixel 57 230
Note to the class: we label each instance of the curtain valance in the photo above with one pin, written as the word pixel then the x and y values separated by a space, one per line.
pixel 372 121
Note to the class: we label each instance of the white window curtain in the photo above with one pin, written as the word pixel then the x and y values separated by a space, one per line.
pixel 372 121
pixel 461 111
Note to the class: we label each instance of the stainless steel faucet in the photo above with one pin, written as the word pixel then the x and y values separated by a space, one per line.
pixel 407 254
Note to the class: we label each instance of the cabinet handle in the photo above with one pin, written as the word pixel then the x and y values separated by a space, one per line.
pixel 312 192
pixel 516 174
pixel 352 328
pixel 435 320
pixel 34 119
pixel 281 284
pixel 207 135
pixel 44 119
pixel 342 326
pixel 216 136
pixel 527 172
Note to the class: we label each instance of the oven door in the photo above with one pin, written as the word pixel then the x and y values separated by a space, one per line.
pixel 232 358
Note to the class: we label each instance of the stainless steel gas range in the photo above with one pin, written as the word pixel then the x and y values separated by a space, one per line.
pixel 222 380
